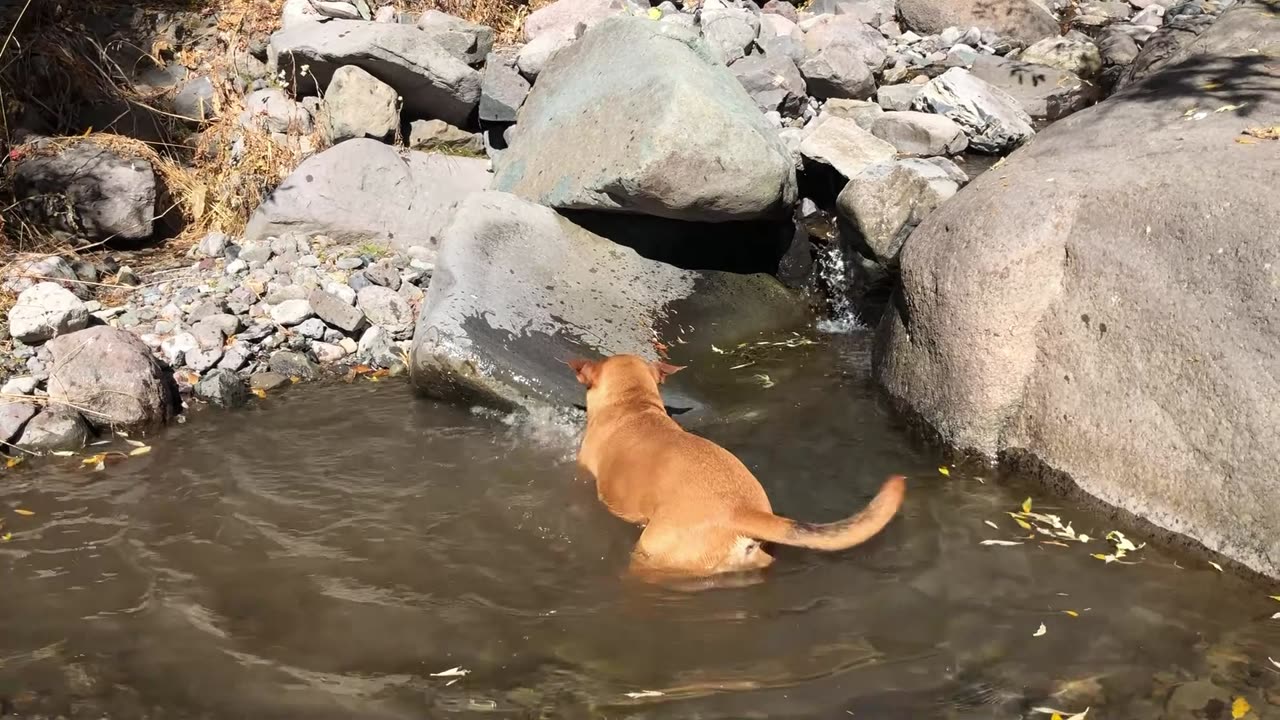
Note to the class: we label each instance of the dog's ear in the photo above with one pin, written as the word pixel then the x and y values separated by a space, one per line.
pixel 663 370
pixel 584 369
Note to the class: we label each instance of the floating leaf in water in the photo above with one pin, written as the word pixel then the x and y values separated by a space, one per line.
pixel 765 381
pixel 1274 597
pixel 1104 558
pixel 644 694
pixel 1022 523
pixel 13 462
pixel 452 672
pixel 294 379
pixel 9 536
pixel 1210 85
pixel 1229 108
pixel 1026 505
pixel 140 450
pixel 1040 631
pixel 1240 708
pixel 23 512
pixel 739 367
pixel 716 350
pixel 1274 661
pixel 944 471
pixel 62 453
pixel 94 459
pixel 136 443
pixel 999 542
pixel 1276 616
pixel 997 527
pixel 259 392
pixel 1055 716
pixel 1072 613
pixel 1216 566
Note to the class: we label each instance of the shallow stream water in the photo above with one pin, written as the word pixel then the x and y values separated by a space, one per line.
pixel 329 550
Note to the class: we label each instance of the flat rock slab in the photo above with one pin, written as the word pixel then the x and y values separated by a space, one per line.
pixel 518 289
pixel 433 83
pixel 364 191
pixel 637 117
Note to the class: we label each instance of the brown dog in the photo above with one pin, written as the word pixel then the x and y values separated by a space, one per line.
pixel 703 511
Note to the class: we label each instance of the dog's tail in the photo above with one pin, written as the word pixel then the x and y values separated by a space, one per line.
pixel 836 535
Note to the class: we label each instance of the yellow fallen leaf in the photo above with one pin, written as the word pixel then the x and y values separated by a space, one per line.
pixel 1022 523
pixel 944 472
pixel 259 392
pixel 1274 597
pixel 62 453
pixel 1240 708
pixel 988 522
pixel 23 512
pixel 295 379
pixel 1229 108
pixel 1041 631
pixel 1072 613
pixel 1026 505
pixel 1274 661
pixel 999 542
pixel 655 14
pixel 13 461
pixel 140 451
pixel 136 443
pixel 1055 716
pixel 1216 566
pixel 94 459
pixel 1210 86
pixel 1264 133
pixel 6 537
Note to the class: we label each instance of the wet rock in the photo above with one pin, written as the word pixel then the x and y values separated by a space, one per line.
pixel 291 312
pixel 917 133
pixel 1198 699
pixel 467 41
pixel 14 417
pixel 362 191
pixel 382 306
pixel 566 15
pixel 729 32
pixel 293 364
pixel 1025 20
pixel 268 381
pixel 897 97
pixel 502 91
pixel 432 82
pixel 773 82
pixel 1057 360
pixel 274 111
pixel 222 388
pixel 55 428
pixel 886 201
pixel 635 85
pixel 46 310
pixel 992 119
pixel 90 191
pixel 110 376
pixel 837 72
pixel 440 135
pixel 496 338
pixel 845 146
pixel 1079 57
pixel 1043 92
pixel 359 105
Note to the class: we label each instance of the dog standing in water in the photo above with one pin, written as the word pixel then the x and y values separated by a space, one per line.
pixel 703 511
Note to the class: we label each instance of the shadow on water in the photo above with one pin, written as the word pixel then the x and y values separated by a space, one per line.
pixel 328 552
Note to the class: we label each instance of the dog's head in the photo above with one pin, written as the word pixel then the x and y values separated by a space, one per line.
pixel 621 370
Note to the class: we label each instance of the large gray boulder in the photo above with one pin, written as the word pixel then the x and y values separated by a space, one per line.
pixel 433 83
pixel 359 105
pixel 1095 308
pixel 637 117
pixel 991 118
pixel 1043 92
pixel 46 310
pixel 90 191
pixel 365 191
pixel 1025 20
pixel 110 377
pixel 518 289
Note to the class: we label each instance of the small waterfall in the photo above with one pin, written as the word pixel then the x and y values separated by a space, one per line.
pixel 835 280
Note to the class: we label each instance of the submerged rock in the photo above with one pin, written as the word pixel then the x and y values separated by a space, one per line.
pixel 518 289
pixel 659 128
pixel 55 428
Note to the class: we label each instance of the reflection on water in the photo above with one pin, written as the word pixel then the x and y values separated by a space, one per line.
pixel 324 553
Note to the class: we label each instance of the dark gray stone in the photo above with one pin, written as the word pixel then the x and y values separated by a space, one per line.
pixel 223 388
pixel 89 190
pixel 502 91
pixel 773 82
pixel 268 380
pixel 293 364
pixel 336 312
pixel 55 428
pixel 467 41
